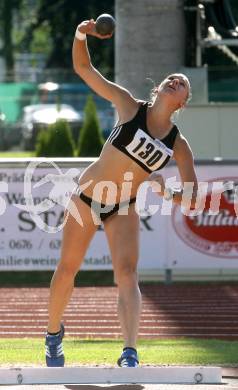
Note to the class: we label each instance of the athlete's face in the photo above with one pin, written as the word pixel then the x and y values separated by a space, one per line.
pixel 176 87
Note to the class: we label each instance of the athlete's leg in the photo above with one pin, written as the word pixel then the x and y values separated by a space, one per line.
pixel 76 239
pixel 123 237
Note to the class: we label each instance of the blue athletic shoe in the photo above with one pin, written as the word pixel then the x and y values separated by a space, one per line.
pixel 54 353
pixel 129 358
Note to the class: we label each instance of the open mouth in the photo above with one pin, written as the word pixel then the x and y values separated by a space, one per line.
pixel 170 86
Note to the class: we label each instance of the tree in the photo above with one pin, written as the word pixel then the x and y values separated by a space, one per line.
pixel 51 25
pixel 90 138
pixel 55 141
pixel 63 16
pixel 6 16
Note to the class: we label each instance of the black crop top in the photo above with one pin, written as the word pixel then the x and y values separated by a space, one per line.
pixel 134 139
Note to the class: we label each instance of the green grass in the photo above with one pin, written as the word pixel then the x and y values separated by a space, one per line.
pixel 154 352
pixel 15 154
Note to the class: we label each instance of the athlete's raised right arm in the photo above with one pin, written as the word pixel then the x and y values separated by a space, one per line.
pixel 84 68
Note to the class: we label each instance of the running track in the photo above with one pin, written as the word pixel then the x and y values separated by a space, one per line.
pixel 205 311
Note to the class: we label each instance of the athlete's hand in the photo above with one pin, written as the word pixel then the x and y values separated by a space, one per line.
pixel 155 179
pixel 88 27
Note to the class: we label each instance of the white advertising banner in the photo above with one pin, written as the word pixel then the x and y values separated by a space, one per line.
pixel 210 239
pixel 169 239
pixel 33 242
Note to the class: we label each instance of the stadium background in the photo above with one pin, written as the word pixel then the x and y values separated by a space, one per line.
pixel 150 41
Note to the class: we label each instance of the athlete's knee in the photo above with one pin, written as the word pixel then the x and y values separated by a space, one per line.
pixel 67 270
pixel 126 272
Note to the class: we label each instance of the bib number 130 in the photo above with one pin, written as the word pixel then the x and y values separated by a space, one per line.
pixel 147 151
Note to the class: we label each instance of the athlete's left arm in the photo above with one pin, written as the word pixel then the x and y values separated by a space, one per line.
pixel 185 162
pixel 187 194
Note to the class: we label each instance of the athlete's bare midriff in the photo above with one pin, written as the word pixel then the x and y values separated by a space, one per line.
pixel 114 167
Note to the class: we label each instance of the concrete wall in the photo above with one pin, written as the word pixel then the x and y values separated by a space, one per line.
pixel 150 40
pixel 212 130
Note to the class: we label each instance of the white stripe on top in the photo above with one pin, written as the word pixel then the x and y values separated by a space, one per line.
pixel 114 134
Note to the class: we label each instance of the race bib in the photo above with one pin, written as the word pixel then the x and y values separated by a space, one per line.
pixel 151 152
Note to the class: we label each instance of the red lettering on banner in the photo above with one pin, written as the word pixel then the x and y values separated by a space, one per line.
pixel 215 235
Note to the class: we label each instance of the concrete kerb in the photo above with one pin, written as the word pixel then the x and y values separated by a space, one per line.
pixel 110 375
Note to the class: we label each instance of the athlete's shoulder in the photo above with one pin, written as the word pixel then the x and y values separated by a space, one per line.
pixel 181 146
pixel 176 127
pixel 142 107
pixel 142 103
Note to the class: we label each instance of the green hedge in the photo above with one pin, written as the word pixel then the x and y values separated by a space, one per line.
pixel 55 141
pixel 90 138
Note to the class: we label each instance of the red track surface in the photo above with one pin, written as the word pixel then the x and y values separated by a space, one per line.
pixel 205 311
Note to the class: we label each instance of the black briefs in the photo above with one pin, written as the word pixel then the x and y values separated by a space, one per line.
pixel 97 207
